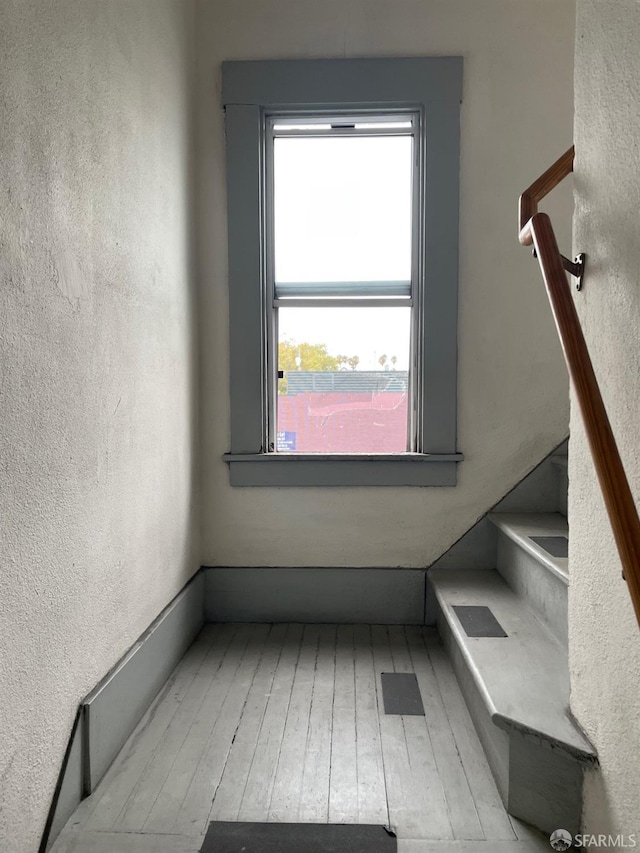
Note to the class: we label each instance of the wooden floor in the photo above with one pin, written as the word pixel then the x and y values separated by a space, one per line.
pixel 286 723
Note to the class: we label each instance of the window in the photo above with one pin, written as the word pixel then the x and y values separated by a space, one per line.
pixel 341 282
pixel 342 179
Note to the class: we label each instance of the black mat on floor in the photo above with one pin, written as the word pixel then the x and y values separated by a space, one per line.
pixel 478 621
pixel 401 694
pixel 557 546
pixel 226 837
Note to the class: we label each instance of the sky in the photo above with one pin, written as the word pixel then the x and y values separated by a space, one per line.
pixel 365 332
pixel 343 208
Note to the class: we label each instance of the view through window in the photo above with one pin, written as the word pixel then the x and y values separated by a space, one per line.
pixel 341 259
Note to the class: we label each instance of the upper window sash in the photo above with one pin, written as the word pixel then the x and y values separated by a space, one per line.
pixel 364 124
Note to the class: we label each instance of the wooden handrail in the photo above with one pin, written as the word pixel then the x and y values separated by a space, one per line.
pixel 538 190
pixel 623 516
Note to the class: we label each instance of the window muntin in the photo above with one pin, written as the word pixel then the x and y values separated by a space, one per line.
pixel 342 225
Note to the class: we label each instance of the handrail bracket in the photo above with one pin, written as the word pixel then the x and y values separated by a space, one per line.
pixel 575 268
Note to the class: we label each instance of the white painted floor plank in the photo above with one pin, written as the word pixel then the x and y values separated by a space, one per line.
pixel 430 814
pixel 407 813
pixel 140 804
pixel 256 796
pixel 226 804
pixel 343 785
pixel 167 807
pixel 372 792
pixel 314 796
pixel 461 807
pixel 424 770
pixel 126 842
pixel 102 809
pixel 225 719
pixel 287 786
pixel 493 817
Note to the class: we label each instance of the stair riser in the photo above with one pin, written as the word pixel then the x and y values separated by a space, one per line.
pixel 545 785
pixel 563 489
pixel 532 580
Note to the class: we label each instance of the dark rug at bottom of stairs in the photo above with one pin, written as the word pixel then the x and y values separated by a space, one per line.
pixel 228 837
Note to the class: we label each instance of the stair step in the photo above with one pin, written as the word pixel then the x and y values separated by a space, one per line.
pixel 517 690
pixel 525 675
pixel 521 526
pixel 530 569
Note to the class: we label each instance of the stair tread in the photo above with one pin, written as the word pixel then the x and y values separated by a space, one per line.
pixel 520 526
pixel 523 677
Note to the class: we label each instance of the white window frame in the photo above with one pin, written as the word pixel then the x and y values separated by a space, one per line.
pixel 253 93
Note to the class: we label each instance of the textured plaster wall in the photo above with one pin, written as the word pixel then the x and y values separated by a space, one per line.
pixel 604 637
pixel 96 365
pixel 513 398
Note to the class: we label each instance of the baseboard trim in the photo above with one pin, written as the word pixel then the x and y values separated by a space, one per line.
pixel 325 595
pixel 110 712
pixel 113 709
pixel 68 790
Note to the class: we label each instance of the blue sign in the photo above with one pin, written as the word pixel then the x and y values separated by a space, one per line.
pixel 286 441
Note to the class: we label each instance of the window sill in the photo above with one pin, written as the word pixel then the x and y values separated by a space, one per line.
pixel 342 469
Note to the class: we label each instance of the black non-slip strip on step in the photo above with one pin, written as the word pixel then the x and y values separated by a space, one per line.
pixel 478 621
pixel 557 546
pixel 401 694
pixel 235 837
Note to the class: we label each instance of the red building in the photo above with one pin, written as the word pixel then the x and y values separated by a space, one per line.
pixel 343 412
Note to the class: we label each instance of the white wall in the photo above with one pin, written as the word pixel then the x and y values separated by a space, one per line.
pixel 96 385
pixel 513 398
pixel 604 636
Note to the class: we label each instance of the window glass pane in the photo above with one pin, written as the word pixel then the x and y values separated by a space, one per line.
pixel 342 209
pixel 345 385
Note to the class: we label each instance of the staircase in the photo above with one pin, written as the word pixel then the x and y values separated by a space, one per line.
pixel 515 563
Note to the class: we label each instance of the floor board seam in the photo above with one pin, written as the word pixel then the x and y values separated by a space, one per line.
pixel 262 719
pixel 207 744
pixel 261 656
pixel 455 742
pixel 306 746
pixel 286 719
pixel 190 727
